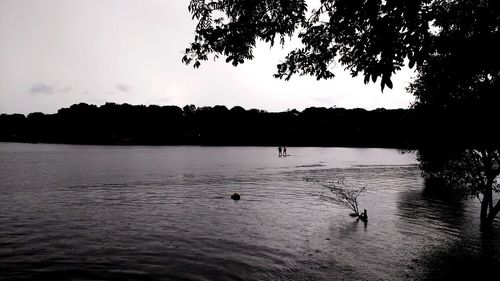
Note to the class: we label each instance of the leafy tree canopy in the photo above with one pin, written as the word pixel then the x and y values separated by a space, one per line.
pixel 368 37
pixel 464 67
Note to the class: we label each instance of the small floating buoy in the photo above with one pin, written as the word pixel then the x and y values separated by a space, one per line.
pixel 235 196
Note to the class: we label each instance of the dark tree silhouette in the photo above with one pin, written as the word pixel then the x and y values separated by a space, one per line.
pixel 460 81
pixel 171 125
pixel 457 94
pixel 371 37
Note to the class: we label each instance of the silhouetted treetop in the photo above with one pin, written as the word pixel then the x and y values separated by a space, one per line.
pixel 371 37
pixel 368 37
pixel 465 63
pixel 231 27
pixel 457 87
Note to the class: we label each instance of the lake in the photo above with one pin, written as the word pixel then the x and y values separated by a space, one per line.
pixel 72 212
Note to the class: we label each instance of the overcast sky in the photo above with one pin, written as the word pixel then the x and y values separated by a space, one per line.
pixel 54 53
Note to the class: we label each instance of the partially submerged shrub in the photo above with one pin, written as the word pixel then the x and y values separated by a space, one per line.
pixel 345 194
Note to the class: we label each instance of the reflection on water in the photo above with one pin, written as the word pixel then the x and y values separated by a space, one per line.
pixel 164 213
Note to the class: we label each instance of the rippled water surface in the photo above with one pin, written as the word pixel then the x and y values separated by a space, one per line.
pixel 164 213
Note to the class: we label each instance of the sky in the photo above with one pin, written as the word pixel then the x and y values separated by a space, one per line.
pixel 55 53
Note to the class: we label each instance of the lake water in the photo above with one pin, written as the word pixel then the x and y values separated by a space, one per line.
pixel 165 213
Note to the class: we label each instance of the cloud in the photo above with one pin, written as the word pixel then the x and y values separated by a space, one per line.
pixel 65 89
pixel 123 88
pixel 40 88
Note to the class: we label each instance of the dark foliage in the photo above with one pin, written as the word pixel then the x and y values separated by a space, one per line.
pixel 457 94
pixel 370 37
pixel 218 125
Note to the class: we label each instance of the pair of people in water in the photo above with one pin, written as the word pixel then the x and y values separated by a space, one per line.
pixel 282 150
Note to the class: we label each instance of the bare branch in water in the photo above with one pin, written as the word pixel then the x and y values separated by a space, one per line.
pixel 343 193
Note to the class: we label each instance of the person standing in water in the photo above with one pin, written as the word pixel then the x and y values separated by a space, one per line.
pixel 284 150
pixel 279 151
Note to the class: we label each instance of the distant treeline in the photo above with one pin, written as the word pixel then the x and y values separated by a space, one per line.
pixel 171 125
